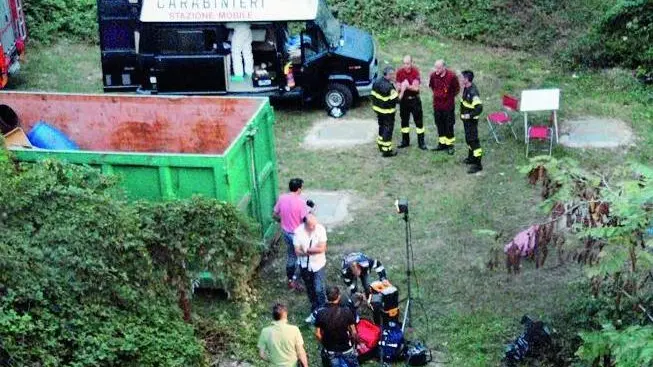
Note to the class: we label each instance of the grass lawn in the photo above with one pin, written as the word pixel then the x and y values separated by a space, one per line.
pixel 472 312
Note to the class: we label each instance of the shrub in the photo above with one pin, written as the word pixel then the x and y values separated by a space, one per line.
pixel 77 287
pixel 185 237
pixel 608 216
pixel 623 36
pixel 50 20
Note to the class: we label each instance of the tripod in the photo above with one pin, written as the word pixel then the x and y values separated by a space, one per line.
pixel 410 272
pixel 410 266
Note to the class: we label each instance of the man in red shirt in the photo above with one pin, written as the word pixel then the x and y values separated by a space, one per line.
pixel 445 86
pixel 408 79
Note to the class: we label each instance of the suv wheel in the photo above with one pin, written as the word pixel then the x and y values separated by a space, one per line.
pixel 338 99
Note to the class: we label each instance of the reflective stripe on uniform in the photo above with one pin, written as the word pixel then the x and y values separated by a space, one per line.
pixel 442 140
pixel 392 96
pixel 420 130
pixel 385 143
pixel 405 130
pixel 475 102
pixel 449 141
pixel 477 152
pixel 465 104
pixel 384 110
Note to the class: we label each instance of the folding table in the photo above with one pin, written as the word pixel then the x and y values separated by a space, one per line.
pixel 535 100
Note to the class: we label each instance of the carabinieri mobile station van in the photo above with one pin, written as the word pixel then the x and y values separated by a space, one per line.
pixel 183 47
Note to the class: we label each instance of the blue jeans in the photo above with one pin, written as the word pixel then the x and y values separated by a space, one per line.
pixel 291 258
pixel 315 287
pixel 346 359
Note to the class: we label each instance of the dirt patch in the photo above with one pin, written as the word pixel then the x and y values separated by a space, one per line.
pixel 596 132
pixel 332 208
pixel 340 133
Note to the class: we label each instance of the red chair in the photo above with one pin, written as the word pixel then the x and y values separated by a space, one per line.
pixel 503 118
pixel 539 133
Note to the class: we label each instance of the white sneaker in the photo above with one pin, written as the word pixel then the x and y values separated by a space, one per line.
pixel 310 319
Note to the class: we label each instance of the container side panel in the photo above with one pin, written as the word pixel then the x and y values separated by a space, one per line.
pixel 194 181
pixel 264 151
pixel 221 183
pixel 240 185
pixel 140 182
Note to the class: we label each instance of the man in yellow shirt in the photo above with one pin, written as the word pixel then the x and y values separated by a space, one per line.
pixel 281 344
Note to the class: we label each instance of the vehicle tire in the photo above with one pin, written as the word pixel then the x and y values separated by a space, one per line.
pixel 338 99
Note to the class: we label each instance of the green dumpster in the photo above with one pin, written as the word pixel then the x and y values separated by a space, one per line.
pixel 165 147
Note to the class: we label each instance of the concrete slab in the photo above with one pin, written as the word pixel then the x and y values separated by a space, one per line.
pixel 340 133
pixel 331 207
pixel 596 132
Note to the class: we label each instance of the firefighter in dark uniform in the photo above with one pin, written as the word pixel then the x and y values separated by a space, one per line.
pixel 470 110
pixel 408 78
pixel 384 103
pixel 357 265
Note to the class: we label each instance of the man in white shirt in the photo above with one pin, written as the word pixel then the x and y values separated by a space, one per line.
pixel 310 246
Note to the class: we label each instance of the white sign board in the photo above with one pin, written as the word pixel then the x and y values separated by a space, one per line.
pixel 539 100
pixel 228 10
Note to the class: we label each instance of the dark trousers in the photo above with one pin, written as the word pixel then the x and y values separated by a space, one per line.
pixel 331 359
pixel 408 107
pixel 471 138
pixel 445 121
pixel 315 283
pixel 365 282
pixel 386 127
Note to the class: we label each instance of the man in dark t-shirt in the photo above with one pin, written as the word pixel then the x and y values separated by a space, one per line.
pixel 335 329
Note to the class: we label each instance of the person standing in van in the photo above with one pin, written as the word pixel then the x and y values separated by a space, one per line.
pixel 241 50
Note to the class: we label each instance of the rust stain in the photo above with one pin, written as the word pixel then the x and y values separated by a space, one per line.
pixel 210 137
pixel 138 136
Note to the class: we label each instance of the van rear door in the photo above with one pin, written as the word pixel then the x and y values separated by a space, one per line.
pixel 120 64
pixel 189 60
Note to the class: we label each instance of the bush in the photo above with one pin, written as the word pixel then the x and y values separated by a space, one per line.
pixel 622 37
pixel 86 277
pixel 77 287
pixel 608 218
pixel 200 234
pixel 50 20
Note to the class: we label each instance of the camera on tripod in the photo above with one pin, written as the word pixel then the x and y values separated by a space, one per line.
pixel 401 205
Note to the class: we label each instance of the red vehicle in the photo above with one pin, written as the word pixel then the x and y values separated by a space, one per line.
pixel 12 38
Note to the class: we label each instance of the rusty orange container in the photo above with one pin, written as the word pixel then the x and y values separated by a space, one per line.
pixel 164 147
